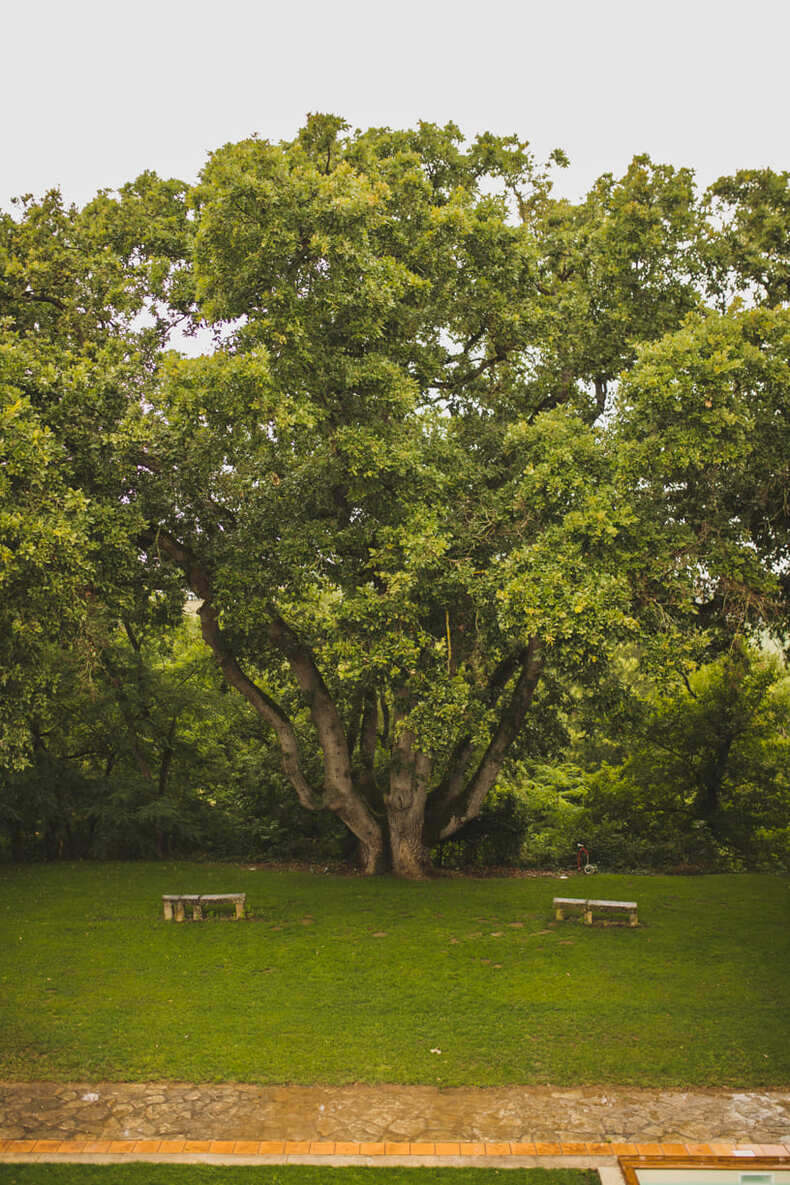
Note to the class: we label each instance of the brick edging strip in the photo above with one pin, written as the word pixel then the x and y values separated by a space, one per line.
pixel 16 1149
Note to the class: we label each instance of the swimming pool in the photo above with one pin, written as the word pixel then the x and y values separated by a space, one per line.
pixel 716 1170
pixel 704 1175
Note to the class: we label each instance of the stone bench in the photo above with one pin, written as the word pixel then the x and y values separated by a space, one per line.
pixel 563 905
pixel 587 906
pixel 174 904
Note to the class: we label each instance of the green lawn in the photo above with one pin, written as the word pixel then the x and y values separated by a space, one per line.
pixel 292 1174
pixel 343 979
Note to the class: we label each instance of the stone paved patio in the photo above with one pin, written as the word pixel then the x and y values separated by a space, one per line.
pixel 392 1114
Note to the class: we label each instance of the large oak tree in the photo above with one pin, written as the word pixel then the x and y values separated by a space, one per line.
pixel 405 481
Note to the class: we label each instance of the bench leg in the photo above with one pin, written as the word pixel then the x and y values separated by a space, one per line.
pixel 197 912
pixel 239 910
pixel 168 908
pixel 587 916
pixel 179 911
pixel 559 915
pixel 633 919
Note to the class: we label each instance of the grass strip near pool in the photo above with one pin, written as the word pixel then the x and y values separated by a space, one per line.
pixel 290 1174
pixel 342 979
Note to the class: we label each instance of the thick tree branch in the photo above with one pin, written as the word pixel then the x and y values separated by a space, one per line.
pixel 339 794
pixel 451 787
pixel 367 749
pixel 355 719
pixel 453 383
pixel 601 391
pixel 38 298
pixel 469 803
pixel 267 708
pixel 143 460
pixel 385 717
pixel 198 579
pixel 134 641
pixel 324 713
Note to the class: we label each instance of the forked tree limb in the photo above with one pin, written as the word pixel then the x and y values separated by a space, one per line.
pixel 323 711
pixel 339 794
pixel 469 802
pixel 268 709
pixel 453 783
pixel 367 748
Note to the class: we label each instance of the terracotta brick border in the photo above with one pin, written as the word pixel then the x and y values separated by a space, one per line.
pixel 631 1156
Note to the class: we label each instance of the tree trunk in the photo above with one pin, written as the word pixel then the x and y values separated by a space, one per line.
pixel 372 857
pixel 410 772
pixel 409 856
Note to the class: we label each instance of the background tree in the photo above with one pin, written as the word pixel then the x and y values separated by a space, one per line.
pixel 148 754
pixel 86 299
pixel 703 427
pixel 695 772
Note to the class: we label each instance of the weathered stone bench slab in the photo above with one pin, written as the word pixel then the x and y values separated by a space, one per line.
pixel 174 904
pixel 563 905
pixel 587 906
pixel 616 907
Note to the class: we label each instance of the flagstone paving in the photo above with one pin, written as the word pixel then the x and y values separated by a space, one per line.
pixel 542 1117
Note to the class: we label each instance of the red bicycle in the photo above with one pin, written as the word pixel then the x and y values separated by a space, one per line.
pixel 583 860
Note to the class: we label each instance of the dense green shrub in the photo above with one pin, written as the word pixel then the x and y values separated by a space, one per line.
pixel 494 839
pixel 698 776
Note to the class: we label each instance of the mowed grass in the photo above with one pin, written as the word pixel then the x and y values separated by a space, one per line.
pixel 172 1174
pixel 343 979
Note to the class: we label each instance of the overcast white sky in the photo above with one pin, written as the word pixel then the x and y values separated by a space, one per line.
pixel 95 91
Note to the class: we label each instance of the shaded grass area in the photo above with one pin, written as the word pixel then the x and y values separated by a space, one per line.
pixel 342 979
pixel 287 1174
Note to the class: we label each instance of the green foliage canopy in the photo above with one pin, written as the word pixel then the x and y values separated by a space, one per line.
pixel 402 482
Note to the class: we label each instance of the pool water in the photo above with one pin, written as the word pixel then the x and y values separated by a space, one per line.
pixel 714 1176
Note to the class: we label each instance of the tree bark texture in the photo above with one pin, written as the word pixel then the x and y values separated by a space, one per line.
pixel 409 776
